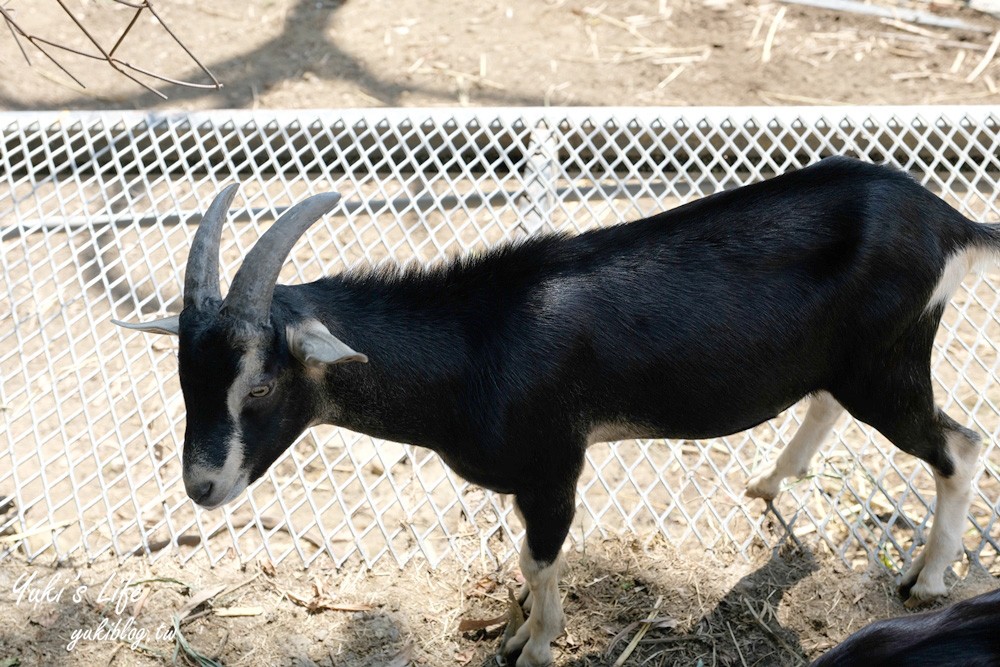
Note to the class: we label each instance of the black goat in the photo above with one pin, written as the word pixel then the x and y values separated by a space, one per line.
pixel 962 635
pixel 699 322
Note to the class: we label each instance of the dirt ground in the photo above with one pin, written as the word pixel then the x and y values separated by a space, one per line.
pixel 782 609
pixel 710 609
pixel 317 53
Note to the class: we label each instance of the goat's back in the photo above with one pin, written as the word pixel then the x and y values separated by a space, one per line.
pixel 701 321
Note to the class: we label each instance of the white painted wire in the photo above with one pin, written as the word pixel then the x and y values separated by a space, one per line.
pixel 94 212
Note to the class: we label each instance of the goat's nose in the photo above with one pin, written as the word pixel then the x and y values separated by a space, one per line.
pixel 200 491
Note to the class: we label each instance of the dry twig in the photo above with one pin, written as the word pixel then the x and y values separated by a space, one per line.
pixel 916 30
pixel 899 13
pixel 41 530
pixel 756 616
pixel 643 629
pixel 442 68
pixel 771 32
pixel 628 26
pixel 986 60
pixel 126 69
pixel 320 601
pixel 191 540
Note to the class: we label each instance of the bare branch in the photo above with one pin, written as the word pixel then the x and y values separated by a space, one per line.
pixel 14 35
pixel 131 23
pixel 124 68
pixel 170 32
pixel 34 42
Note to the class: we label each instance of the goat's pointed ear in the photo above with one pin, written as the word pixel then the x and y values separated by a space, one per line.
pixel 312 343
pixel 168 325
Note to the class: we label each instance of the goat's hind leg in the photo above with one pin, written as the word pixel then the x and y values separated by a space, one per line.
pixel 953 477
pixel 793 461
pixel 902 408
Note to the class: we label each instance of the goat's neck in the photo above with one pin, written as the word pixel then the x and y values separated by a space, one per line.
pixel 411 388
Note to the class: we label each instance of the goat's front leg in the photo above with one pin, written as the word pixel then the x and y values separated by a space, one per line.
pixel 793 461
pixel 547 516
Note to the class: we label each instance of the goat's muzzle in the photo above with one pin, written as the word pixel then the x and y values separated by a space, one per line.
pixel 212 487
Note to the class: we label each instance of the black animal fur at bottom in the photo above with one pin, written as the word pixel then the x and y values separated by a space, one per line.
pixel 961 635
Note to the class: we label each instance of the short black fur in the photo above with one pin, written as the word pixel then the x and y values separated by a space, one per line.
pixel 963 634
pixel 699 322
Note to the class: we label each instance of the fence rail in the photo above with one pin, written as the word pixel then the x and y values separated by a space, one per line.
pixel 97 213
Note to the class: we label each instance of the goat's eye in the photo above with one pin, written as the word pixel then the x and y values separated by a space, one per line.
pixel 260 391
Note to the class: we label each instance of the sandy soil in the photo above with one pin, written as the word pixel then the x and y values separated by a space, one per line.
pixel 780 609
pixel 282 53
pixel 714 607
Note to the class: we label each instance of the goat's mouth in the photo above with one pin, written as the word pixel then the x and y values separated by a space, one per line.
pixel 211 494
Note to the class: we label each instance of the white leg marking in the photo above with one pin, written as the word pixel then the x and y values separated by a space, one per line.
pixel 793 461
pixel 546 621
pixel 954 495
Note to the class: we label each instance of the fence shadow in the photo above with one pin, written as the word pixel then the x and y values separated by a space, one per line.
pixel 747 614
pixel 742 628
pixel 372 639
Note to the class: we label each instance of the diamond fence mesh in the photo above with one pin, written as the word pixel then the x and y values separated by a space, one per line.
pixel 97 212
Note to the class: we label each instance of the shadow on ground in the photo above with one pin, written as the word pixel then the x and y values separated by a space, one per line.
pixel 697 618
pixel 304 45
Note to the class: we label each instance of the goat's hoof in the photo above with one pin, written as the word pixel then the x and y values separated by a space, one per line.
pixel 508 655
pixel 535 656
pixel 763 485
pixel 906 585
pixel 510 650
pixel 523 662
pixel 503 661
pixel 515 653
pixel 919 586
pixel 910 579
pixel 921 593
pixel 515 637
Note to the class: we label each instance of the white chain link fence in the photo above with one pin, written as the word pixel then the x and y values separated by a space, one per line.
pixel 97 212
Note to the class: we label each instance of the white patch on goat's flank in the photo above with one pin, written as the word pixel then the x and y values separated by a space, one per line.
pixel 959 265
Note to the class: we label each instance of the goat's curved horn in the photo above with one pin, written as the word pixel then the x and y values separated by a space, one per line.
pixel 250 294
pixel 201 278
